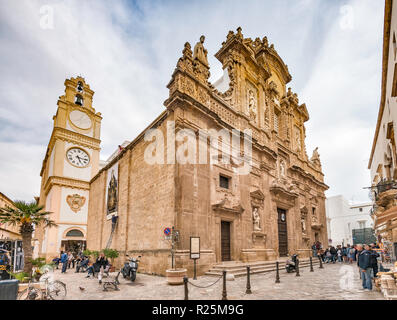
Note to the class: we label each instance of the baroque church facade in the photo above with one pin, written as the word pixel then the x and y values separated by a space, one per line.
pixel 275 209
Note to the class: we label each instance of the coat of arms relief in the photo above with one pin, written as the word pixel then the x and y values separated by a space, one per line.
pixel 75 202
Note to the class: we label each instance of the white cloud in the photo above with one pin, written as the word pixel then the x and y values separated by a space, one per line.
pixel 127 52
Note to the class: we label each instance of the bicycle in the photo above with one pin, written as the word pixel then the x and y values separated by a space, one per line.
pixel 54 290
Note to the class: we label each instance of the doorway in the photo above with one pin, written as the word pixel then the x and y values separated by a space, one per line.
pixel 225 241
pixel 282 232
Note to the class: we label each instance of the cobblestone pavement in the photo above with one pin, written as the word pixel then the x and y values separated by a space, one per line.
pixel 334 282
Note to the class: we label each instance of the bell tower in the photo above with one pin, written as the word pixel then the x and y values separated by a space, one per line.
pixel 71 160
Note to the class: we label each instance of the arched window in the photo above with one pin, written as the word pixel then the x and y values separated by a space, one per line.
pixel 74 233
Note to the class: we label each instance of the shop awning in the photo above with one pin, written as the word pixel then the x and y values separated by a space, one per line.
pixel 385 216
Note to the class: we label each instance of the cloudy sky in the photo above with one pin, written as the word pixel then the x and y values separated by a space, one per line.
pixel 127 51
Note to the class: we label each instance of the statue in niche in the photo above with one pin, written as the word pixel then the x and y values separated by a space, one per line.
pixel 252 104
pixel 200 53
pixel 282 169
pixel 303 224
pixel 256 218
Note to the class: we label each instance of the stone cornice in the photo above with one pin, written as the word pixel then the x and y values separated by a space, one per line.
pixel 66 182
pixel 385 62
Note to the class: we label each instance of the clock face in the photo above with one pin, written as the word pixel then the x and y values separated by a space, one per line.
pixel 78 157
pixel 80 119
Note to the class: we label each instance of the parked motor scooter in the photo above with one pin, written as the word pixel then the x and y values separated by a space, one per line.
pixel 290 264
pixel 130 268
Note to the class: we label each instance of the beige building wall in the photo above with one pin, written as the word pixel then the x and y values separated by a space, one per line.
pixel 8 231
pixel 383 158
pixel 190 196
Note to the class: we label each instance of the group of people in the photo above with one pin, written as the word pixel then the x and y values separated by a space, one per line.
pixel 83 263
pixel 4 265
pixel 366 257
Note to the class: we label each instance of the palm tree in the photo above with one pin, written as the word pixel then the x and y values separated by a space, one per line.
pixel 27 215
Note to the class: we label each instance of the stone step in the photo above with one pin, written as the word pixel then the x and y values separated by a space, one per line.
pixel 239 269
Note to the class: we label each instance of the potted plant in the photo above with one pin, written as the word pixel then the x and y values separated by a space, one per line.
pixel 175 275
pixel 22 277
pixel 111 254
pixel 37 264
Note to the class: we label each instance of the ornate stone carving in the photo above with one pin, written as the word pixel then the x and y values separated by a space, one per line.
pixel 256 219
pixel 298 146
pixel 75 202
pixel 282 169
pixel 200 53
pixel 251 101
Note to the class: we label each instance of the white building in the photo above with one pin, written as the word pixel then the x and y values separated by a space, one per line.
pixel 383 157
pixel 343 217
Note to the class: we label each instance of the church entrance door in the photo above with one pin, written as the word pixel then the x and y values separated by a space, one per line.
pixel 282 232
pixel 225 241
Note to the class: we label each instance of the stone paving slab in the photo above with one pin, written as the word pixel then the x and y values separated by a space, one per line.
pixel 334 282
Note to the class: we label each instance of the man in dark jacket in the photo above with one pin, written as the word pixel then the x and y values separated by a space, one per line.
pixel 333 253
pixel 374 259
pixel 365 265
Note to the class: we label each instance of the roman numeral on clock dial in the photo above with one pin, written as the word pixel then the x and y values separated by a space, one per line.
pixel 78 157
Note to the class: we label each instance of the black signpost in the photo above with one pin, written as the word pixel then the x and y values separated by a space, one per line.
pixel 194 253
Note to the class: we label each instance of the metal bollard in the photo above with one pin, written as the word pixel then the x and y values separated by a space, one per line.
pixel 185 279
pixel 311 265
pixel 248 291
pixel 277 273
pixel 321 262
pixel 297 268
pixel 224 293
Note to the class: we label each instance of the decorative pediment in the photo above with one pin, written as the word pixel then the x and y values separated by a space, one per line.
pixel 281 187
pixel 257 194
pixel 304 211
pixel 316 225
pixel 227 206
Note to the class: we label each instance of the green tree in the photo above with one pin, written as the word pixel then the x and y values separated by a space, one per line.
pixel 26 215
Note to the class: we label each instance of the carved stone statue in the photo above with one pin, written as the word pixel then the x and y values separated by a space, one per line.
pixel 303 224
pixel 200 53
pixel 282 169
pixel 315 156
pixel 252 110
pixel 256 218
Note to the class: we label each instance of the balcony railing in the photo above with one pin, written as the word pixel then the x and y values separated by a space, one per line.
pixel 385 185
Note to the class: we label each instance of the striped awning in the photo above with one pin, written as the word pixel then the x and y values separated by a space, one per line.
pixel 385 216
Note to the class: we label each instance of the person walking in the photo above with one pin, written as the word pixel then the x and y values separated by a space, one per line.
pixel 339 253
pixel 352 254
pixel 70 260
pixel 365 265
pixel 374 259
pixel 64 261
pixel 333 252
pixel 314 249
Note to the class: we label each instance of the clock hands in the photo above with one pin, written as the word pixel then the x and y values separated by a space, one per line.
pixel 81 159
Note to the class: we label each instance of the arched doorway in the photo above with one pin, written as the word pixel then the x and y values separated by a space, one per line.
pixel 73 240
